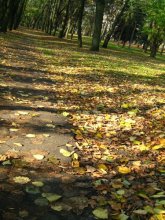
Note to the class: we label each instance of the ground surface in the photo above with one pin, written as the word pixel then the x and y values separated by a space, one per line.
pixel 82 133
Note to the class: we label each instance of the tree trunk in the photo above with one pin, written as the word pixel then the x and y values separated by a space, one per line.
pixel 100 5
pixel 120 36
pixel 107 39
pixel 153 47
pixel 80 19
pixel 111 31
pixel 62 32
pixel 132 36
pixel 162 49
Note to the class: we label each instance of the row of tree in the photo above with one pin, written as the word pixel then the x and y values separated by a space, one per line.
pixel 11 14
pixel 135 21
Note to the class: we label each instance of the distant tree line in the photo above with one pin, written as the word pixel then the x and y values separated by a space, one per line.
pixel 138 22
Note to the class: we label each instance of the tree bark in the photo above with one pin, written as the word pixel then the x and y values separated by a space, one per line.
pixel 100 5
pixel 162 49
pixel 132 36
pixel 111 31
pixel 153 47
pixel 64 25
pixel 80 19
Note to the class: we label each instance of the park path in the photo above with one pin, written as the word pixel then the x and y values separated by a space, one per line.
pixel 32 133
pixel 29 120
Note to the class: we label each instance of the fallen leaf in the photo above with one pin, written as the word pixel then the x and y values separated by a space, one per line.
pixel 21 179
pixel 123 217
pixel 41 202
pixel 103 168
pixel 38 183
pixel 51 197
pixel 66 153
pixel 18 144
pixel 65 114
pixel 101 213
pixel 13 129
pixel 38 156
pixel 22 113
pixel 23 213
pixel 75 163
pixel 140 212
pixel 124 170
pixel 32 190
pixel 57 208
pixel 31 135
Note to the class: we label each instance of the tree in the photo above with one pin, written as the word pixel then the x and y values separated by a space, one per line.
pixel 80 19
pixel 11 14
pixel 154 26
pixel 116 20
pixel 65 21
pixel 100 5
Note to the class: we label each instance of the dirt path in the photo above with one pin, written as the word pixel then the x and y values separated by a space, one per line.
pixel 28 117
pixel 31 135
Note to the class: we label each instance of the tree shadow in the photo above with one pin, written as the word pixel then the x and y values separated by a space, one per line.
pixel 80 193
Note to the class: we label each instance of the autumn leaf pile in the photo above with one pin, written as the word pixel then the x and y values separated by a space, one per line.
pixel 114 100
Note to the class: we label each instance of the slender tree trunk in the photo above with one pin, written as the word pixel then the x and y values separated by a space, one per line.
pixel 154 47
pixel 132 36
pixel 111 31
pixel 100 5
pixel 107 39
pixel 68 29
pixel 162 49
pixel 80 19
pixel 19 14
pixel 104 32
pixel 145 46
pixel 62 32
pixel 119 39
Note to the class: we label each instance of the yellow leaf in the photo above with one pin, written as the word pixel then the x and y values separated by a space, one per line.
pixel 75 156
pixel 136 163
pixel 65 114
pixel 157 147
pixel 103 168
pixel 30 135
pixel 99 135
pixel 143 148
pixel 107 117
pixel 125 105
pixel 21 179
pixel 80 170
pixel 18 144
pixel 13 129
pixel 162 141
pixel 65 153
pixel 124 170
pixel 158 217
